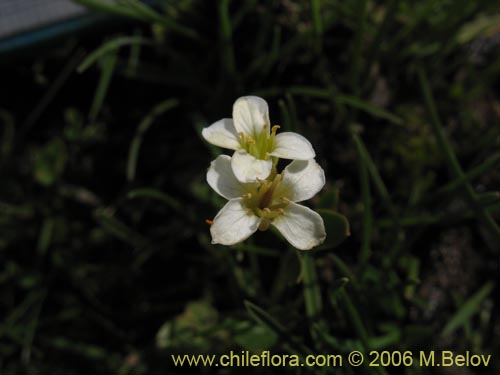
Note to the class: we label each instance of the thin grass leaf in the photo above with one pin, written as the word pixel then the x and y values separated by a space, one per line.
pixel 21 211
pixel 352 101
pixel 262 317
pixel 366 197
pixel 157 195
pixel 227 36
pixel 344 270
pixel 488 199
pixel 32 327
pixel 468 309
pixel 312 294
pixel 375 175
pixel 370 108
pixel 118 229
pixel 480 170
pixel 109 7
pixel 317 22
pixel 50 94
pixel 483 25
pixel 143 127
pixel 108 66
pixel 285 115
pixel 134 56
pixel 450 156
pixel 45 236
pixel 109 46
pixel 294 120
pixel 355 318
pixel 136 10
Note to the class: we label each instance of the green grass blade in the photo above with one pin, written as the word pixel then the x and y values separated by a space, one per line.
pixel 262 317
pixel 480 170
pixel 468 309
pixel 118 229
pixel 109 46
pixel 317 22
pixel 451 158
pixel 157 195
pixel 136 10
pixel 352 101
pixel 108 67
pixel 145 124
pixel 45 236
pixel 355 317
pixel 312 294
pixel 370 108
pixel 375 175
pixel 285 115
pixel 107 7
pixel 227 36
pixel 366 197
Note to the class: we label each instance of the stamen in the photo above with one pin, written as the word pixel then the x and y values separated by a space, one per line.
pixel 274 129
pixel 247 195
pixel 250 140
pixel 281 211
pixel 266 210
pixel 209 222
pixel 285 200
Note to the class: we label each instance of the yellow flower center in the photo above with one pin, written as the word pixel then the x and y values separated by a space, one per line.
pixel 265 202
pixel 261 144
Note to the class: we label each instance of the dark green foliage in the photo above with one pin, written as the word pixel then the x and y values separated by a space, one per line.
pixel 106 262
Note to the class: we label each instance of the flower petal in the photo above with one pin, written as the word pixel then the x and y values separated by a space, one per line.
pixel 248 168
pixel 302 179
pixel 250 114
pixel 222 133
pixel 301 226
pixel 221 178
pixel 234 223
pixel 289 145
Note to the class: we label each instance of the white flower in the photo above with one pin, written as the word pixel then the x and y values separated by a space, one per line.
pixel 256 205
pixel 255 143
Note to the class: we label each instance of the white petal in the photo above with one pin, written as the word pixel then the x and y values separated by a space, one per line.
pixel 234 223
pixel 250 114
pixel 302 179
pixel 222 133
pixel 290 145
pixel 301 226
pixel 221 178
pixel 248 168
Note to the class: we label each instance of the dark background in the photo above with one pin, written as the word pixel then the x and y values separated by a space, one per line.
pixel 106 264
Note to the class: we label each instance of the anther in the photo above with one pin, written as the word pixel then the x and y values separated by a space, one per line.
pixel 275 128
pixel 247 195
pixel 266 210
pixel 209 222
pixel 281 211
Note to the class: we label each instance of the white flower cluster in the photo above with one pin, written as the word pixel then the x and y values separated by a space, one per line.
pixel 258 195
